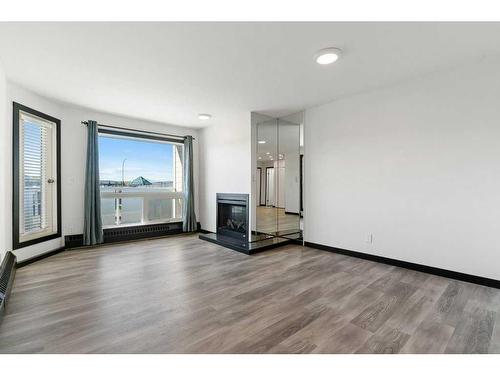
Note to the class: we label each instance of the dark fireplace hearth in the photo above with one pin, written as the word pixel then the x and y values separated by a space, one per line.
pixel 233 227
pixel 232 215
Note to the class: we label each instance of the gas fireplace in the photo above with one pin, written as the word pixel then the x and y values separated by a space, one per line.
pixel 232 215
pixel 233 227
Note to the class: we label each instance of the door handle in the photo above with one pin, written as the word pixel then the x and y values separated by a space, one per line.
pixel 51 181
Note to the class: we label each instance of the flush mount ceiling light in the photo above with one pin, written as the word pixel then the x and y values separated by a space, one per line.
pixel 327 56
pixel 204 116
pixel 268 153
pixel 262 142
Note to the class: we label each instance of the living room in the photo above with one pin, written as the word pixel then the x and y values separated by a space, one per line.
pixel 249 187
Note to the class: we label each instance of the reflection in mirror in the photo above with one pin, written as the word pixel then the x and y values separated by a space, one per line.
pixel 288 163
pixel 279 176
pixel 267 150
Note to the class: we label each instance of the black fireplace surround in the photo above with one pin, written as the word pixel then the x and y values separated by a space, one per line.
pixel 232 215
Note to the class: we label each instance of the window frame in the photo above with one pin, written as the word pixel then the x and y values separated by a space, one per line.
pixel 16 187
pixel 137 134
pixel 131 134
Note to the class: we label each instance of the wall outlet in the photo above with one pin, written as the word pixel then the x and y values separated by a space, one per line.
pixel 369 238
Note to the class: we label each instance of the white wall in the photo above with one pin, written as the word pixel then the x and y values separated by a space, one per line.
pixel 225 165
pixel 73 153
pixel 416 165
pixel 5 210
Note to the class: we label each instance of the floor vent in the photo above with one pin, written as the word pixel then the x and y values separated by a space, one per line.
pixel 7 272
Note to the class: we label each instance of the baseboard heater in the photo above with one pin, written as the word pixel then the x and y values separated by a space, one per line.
pixel 7 272
pixel 128 233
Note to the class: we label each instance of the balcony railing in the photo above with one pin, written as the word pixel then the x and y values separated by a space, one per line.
pixel 137 206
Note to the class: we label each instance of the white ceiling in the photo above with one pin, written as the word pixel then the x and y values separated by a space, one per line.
pixel 170 72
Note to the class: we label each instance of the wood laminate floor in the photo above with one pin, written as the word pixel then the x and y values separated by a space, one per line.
pixel 184 295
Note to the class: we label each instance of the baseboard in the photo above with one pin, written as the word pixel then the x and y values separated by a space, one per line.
pixel 39 257
pixel 7 273
pixel 204 231
pixel 412 266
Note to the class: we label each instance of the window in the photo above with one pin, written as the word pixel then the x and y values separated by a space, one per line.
pixel 36 193
pixel 140 179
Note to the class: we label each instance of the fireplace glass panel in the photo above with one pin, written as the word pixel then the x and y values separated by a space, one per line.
pixel 232 220
pixel 233 217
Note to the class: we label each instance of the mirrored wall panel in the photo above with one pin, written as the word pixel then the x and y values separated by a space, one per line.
pixel 288 168
pixel 279 176
pixel 266 179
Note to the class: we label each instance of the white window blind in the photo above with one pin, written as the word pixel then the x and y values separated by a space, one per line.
pixel 37 170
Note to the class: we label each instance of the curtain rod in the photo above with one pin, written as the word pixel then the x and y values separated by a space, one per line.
pixel 139 131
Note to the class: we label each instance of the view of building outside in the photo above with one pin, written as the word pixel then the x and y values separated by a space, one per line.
pixel 140 181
